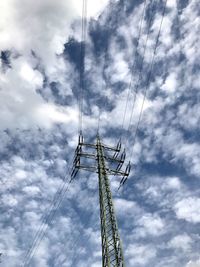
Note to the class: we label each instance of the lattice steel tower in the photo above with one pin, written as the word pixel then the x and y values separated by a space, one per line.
pixel 112 254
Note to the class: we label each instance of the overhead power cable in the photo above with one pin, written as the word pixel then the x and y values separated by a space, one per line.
pixel 134 63
pixel 141 65
pixel 46 220
pixel 149 76
pixel 82 62
pixel 77 240
pixel 111 6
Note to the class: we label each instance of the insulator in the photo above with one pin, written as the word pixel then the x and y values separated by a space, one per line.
pixel 74 173
pixel 117 150
pixel 80 139
pixel 126 174
pixel 128 168
pixel 119 145
pixel 119 166
pixel 123 156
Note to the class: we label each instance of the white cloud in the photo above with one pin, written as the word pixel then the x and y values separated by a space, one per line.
pixel 96 264
pixel 173 183
pixel 140 254
pixel 42 27
pixel 47 21
pixel 152 224
pixel 188 209
pixel 30 75
pixel 182 242
pixel 93 8
pixel 193 264
pixel 124 206
pixel 33 182
pixel 22 106
pixel 171 4
pixel 170 84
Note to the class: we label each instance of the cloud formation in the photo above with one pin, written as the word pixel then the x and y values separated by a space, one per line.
pixel 158 208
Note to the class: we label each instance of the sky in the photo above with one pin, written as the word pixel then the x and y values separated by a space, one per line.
pixel 142 85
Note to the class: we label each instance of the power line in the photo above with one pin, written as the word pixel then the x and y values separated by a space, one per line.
pixel 99 115
pixel 111 6
pixel 46 220
pixel 141 68
pixel 149 75
pixel 88 219
pixel 82 62
pixel 134 63
pixel 42 233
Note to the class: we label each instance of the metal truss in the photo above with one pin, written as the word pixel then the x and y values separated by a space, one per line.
pixel 112 254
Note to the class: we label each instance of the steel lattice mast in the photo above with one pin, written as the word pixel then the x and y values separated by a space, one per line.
pixel 112 254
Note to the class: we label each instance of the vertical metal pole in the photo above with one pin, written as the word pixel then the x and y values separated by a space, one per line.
pixel 112 255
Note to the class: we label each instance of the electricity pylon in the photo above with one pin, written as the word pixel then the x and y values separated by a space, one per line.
pixel 112 254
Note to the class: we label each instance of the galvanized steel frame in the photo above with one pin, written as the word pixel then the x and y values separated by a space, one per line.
pixel 112 255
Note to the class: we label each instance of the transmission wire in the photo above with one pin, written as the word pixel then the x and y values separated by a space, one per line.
pixel 134 63
pixel 46 224
pixel 111 3
pixel 46 220
pixel 140 70
pixel 82 62
pixel 149 77
pixel 88 219
pixel 39 235
pixel 99 115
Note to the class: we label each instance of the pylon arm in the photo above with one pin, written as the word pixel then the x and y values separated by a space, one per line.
pixel 93 156
pixel 115 149
pixel 94 169
pixel 87 155
pixel 113 159
pixel 87 168
pixel 115 172
pixel 89 145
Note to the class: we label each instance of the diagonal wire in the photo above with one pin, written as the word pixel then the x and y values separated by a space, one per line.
pixel 99 115
pixel 76 242
pixel 42 233
pixel 46 220
pixel 111 6
pixel 149 76
pixel 134 63
pixel 141 69
pixel 82 62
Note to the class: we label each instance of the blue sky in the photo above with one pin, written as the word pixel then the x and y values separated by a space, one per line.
pixel 158 209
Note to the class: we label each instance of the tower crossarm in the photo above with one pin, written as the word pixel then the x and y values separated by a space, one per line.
pixel 87 155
